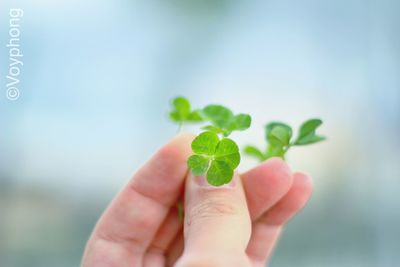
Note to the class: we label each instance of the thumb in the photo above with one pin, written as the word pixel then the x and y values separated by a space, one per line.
pixel 217 219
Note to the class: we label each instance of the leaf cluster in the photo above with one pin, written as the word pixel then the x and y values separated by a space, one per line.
pixel 223 121
pixel 278 136
pixel 214 155
pixel 182 111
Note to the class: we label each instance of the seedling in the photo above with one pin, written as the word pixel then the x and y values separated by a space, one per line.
pixel 214 155
pixel 279 139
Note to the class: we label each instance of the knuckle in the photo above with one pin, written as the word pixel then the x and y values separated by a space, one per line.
pixel 212 207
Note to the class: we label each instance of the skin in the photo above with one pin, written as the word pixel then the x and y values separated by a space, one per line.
pixel 238 224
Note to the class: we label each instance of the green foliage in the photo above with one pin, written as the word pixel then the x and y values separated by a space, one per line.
pixel 254 152
pixel 216 159
pixel 279 135
pixel 223 120
pixel 182 112
pixel 307 133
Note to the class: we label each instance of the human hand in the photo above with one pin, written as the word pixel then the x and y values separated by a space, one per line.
pixel 234 225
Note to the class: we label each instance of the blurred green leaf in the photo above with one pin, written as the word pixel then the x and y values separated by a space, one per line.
pixel 307 133
pixel 181 111
pixel 240 122
pixel 254 152
pixel 279 136
pixel 270 126
pixel 219 116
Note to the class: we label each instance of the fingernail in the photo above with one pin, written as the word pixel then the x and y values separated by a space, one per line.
pixel 202 182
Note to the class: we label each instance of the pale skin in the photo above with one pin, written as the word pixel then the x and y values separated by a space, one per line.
pixel 235 225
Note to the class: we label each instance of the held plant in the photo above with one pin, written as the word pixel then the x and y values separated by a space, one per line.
pixel 279 139
pixel 214 155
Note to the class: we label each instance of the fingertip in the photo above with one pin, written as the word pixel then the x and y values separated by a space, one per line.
pixel 178 146
pixel 184 137
pixel 274 170
pixel 292 202
pixel 266 184
pixel 278 167
pixel 163 176
pixel 303 184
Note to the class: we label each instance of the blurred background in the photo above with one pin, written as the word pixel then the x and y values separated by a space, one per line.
pixel 95 89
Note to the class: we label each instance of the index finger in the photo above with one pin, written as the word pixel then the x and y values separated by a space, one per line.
pixel 129 224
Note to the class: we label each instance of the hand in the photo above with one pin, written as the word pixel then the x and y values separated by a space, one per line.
pixel 234 225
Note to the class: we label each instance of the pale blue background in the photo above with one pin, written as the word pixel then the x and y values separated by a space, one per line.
pixel 96 82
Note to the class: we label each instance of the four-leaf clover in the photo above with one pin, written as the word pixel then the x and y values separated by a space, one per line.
pixel 216 159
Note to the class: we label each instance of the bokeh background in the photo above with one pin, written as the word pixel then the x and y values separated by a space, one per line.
pixel 95 88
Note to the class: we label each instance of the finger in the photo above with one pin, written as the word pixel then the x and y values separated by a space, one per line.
pixel 267 228
pixel 129 224
pixel 175 250
pixel 156 253
pixel 265 185
pixel 217 221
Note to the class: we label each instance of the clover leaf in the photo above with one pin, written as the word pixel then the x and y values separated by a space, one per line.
pixel 215 158
pixel 278 136
pixel 307 133
pixel 218 115
pixel 254 152
pixel 182 112
pixel 223 120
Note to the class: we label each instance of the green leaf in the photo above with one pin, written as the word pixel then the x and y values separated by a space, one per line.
pixel 194 116
pixel 276 151
pixel 279 136
pixel 198 164
pixel 270 126
pixel 205 143
pixel 241 122
pixel 219 116
pixel 219 173
pixel 224 121
pixel 310 140
pixel 228 152
pixel 181 109
pixel 255 152
pixel 213 157
pixel 213 129
pixel 307 133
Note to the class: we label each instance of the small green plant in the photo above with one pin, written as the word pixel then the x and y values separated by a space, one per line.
pixel 214 155
pixel 182 112
pixel 279 139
